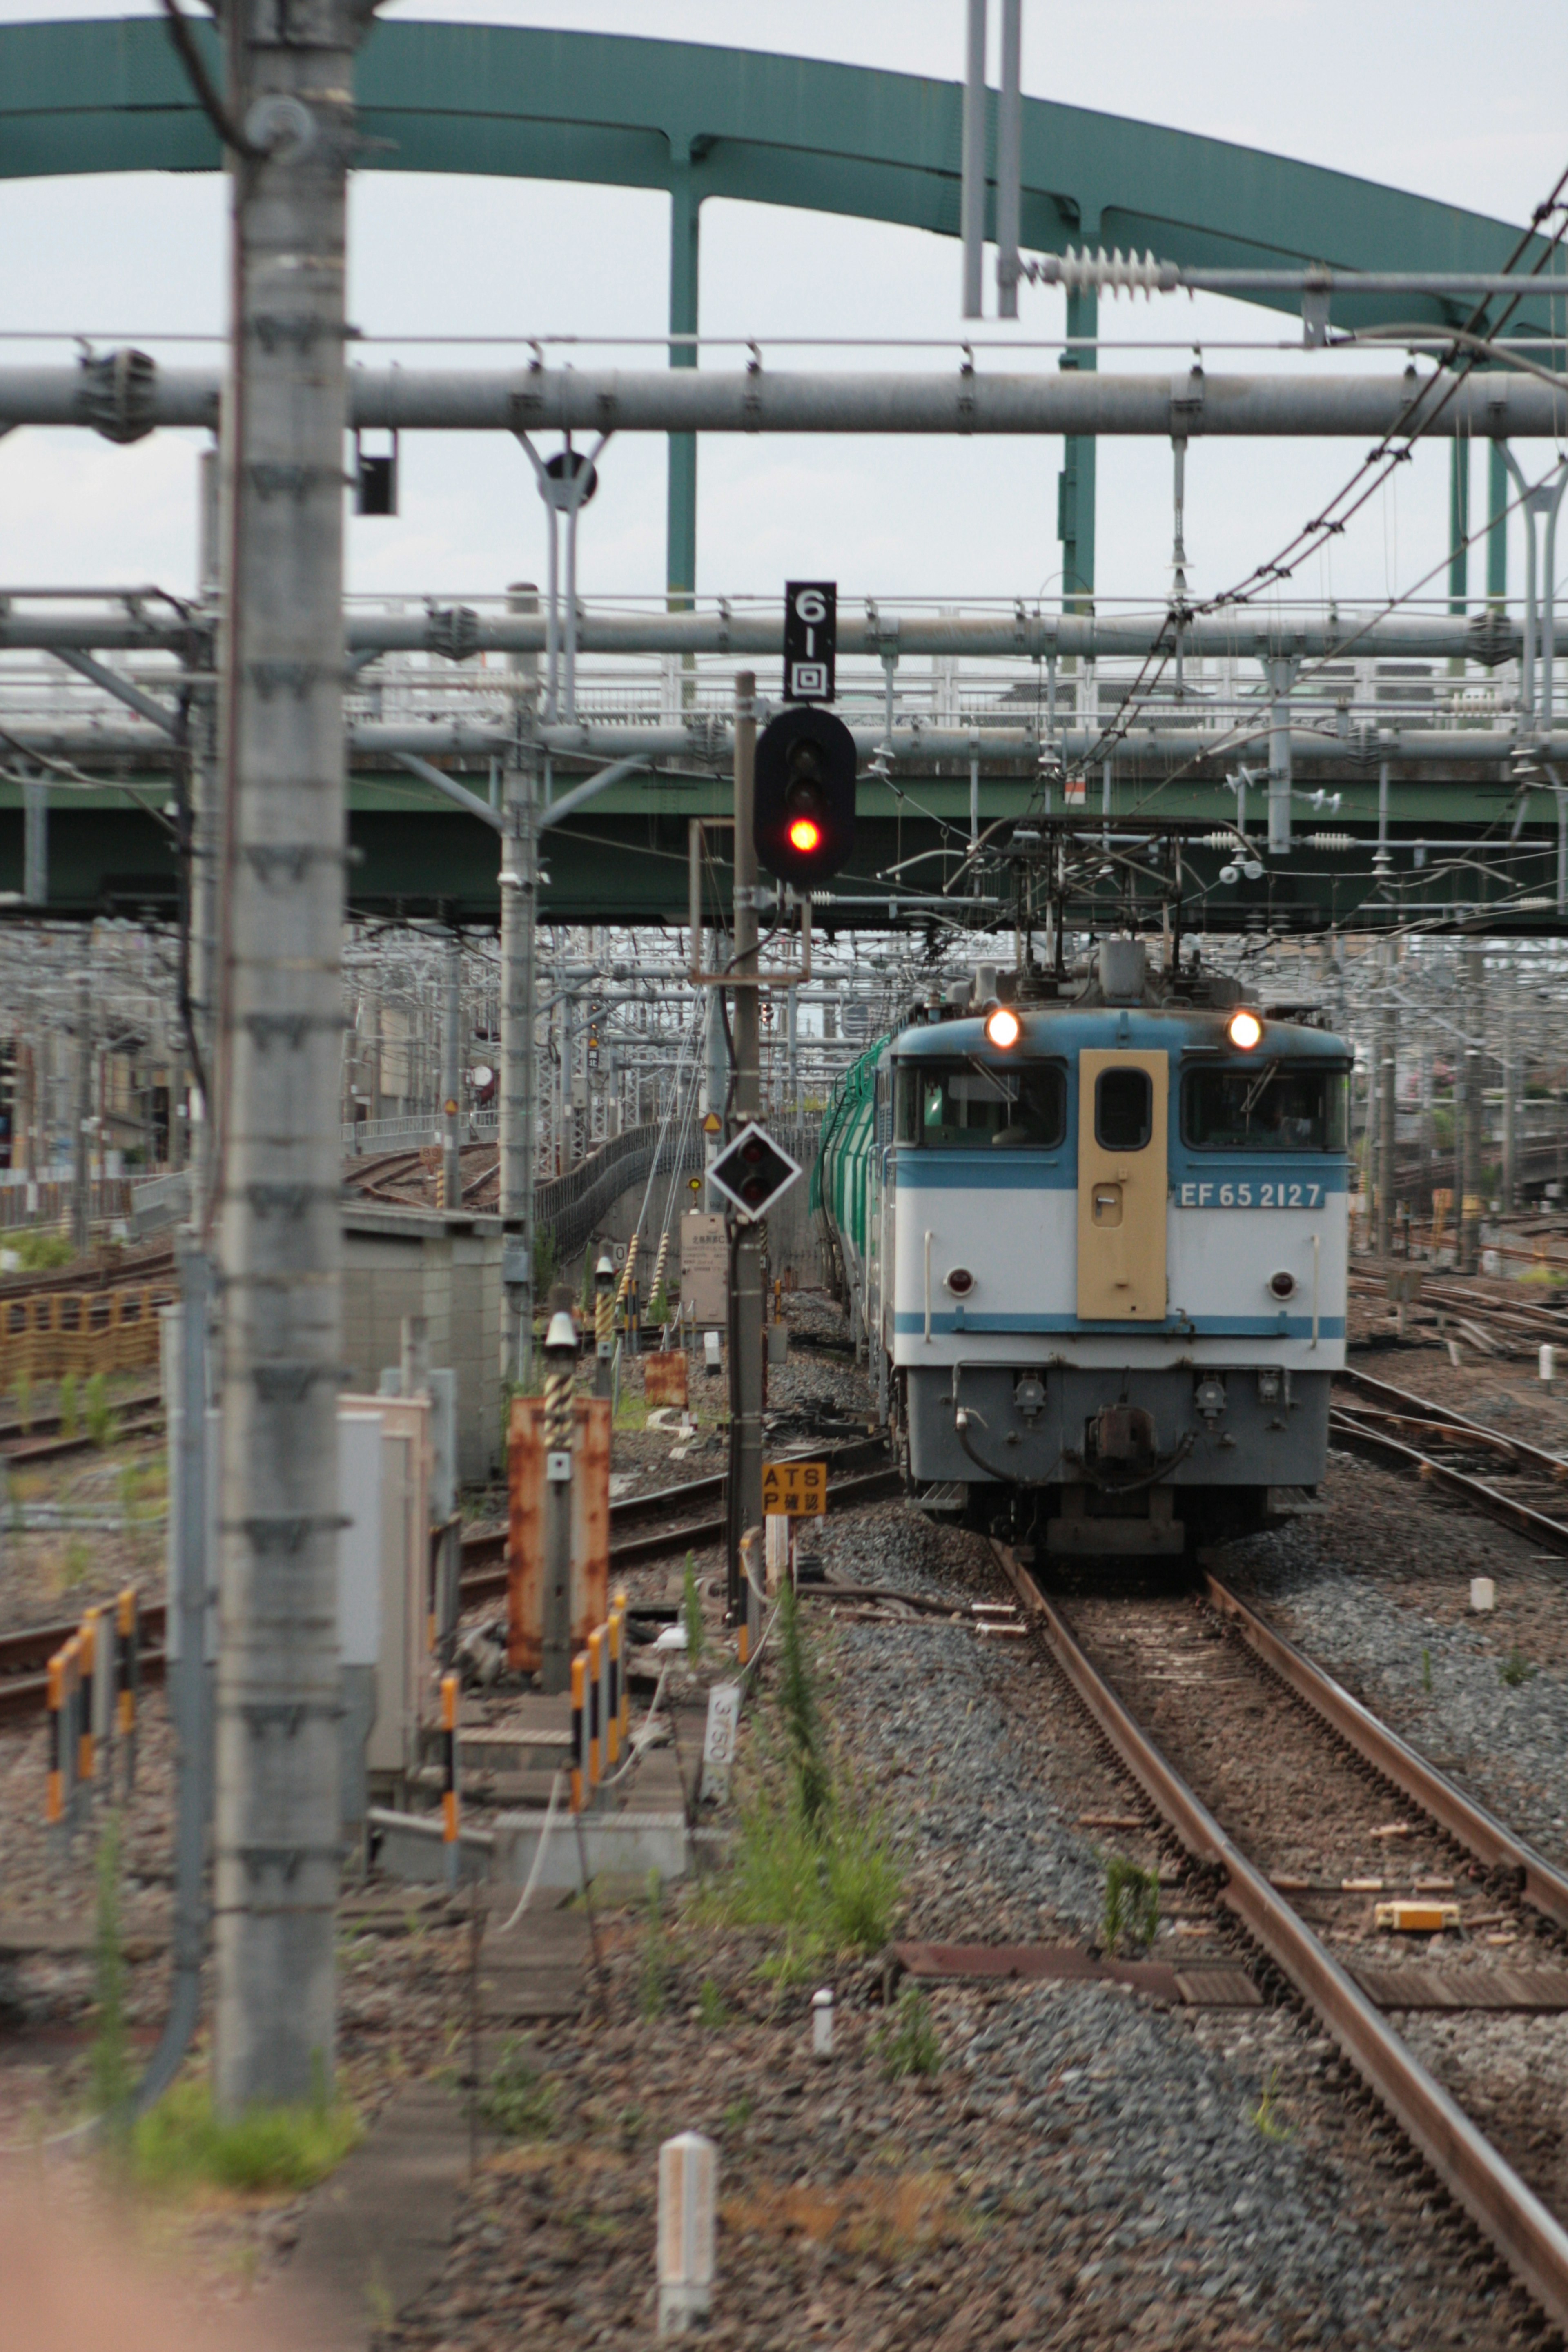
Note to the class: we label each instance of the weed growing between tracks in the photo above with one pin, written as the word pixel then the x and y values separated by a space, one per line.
pixel 1131 1913
pixel 182 2146
pixel 517 2102
pixel 907 2044
pixel 691 1613
pixel 656 1951
pixel 813 1856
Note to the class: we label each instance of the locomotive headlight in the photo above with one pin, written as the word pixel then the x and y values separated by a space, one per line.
pixel 1245 1030
pixel 1003 1027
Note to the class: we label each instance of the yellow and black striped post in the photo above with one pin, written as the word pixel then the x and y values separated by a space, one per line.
pixel 659 1265
pixel 579 1732
pixel 622 1695
pixel 451 1825
pixel 614 1633
pixel 59 1764
pixel 625 1295
pixel 604 1325
pixel 560 1412
pixel 87 1742
pixel 128 1675
pixel 596 1708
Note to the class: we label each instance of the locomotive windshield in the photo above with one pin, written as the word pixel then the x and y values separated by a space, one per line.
pixel 948 1106
pixel 1276 1106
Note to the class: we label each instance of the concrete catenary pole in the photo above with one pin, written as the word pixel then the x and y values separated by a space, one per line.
pixel 276 1171
pixel 745 1498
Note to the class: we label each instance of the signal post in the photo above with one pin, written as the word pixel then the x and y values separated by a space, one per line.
pixel 745 1480
pixel 795 809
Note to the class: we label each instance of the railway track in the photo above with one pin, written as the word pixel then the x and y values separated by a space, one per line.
pixel 1518 1328
pixel 642 1527
pixel 137 1417
pixel 1443 1448
pixel 1265 1829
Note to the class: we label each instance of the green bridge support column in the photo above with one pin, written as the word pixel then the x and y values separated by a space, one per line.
pixel 1496 527
pixel 1075 484
pixel 680 528
pixel 1458 525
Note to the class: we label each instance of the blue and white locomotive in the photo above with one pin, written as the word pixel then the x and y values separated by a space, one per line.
pixel 1093 1233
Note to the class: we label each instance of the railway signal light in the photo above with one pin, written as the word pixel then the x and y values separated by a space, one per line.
pixel 803 806
pixel 753 1171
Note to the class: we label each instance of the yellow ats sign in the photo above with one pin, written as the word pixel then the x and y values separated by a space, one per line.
pixel 794 1490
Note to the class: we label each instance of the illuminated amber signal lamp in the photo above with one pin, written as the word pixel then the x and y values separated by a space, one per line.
pixel 1245 1030
pixel 1003 1027
pixel 804 834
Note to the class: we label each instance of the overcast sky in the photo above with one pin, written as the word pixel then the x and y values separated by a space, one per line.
pixel 1433 95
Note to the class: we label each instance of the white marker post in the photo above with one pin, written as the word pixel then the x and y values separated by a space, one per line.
pixel 688 2205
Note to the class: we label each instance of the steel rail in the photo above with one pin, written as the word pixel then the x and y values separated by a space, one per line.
pixel 24 1653
pixel 1530 2240
pixel 132 1420
pixel 1479 1832
pixel 1418 1408
pixel 1509 1513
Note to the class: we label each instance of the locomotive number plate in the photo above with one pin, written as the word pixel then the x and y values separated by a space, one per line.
pixel 1252 1193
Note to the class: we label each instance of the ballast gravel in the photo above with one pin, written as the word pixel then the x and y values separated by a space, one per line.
pixel 1490 1717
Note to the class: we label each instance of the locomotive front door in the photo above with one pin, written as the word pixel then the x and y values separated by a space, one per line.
pixel 1121 1187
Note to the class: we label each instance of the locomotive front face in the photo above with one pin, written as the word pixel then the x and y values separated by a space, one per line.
pixel 1118 1252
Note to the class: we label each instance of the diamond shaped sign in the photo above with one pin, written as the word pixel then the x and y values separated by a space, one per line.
pixel 752 1172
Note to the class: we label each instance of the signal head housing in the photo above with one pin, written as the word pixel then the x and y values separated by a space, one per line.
pixel 803 808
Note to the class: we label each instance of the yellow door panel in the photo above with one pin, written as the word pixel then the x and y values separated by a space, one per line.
pixel 1121 1187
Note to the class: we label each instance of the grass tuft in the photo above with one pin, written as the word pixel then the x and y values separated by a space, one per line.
pixel 713 2011
pixel 799 1713
pixel 1263 2114
pixel 98 1414
pixel 518 2101
pixel 1515 1669
pixel 691 1613
pixel 1131 1914
pixel 182 2144
pixel 655 1951
pixel 68 1427
pixel 907 2044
